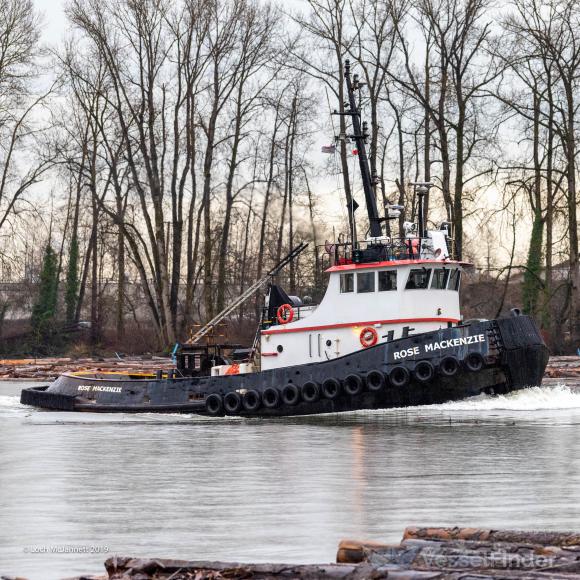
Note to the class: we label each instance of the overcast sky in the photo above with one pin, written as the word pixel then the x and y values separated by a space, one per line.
pixel 53 19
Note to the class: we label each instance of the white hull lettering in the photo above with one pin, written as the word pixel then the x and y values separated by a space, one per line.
pixel 407 352
pixel 99 389
pixel 443 344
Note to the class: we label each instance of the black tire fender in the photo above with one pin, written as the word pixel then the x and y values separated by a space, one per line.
pixel 399 376
pixel 331 388
pixel 353 385
pixel 271 398
pixel 449 366
pixel 424 371
pixel 290 395
pixel 474 362
pixel 233 403
pixel 214 405
pixel 310 391
pixel 376 380
pixel 251 401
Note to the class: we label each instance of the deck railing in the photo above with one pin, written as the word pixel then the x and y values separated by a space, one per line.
pixel 387 250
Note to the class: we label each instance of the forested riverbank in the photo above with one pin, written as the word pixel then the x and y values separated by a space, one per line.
pixel 161 156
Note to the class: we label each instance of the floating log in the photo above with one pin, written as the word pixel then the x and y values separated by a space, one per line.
pixel 126 568
pixel 50 368
pixel 563 366
pixel 545 538
pixel 120 568
pixel 354 551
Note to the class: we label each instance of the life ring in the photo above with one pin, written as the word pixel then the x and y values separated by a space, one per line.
pixel 368 336
pixel 285 314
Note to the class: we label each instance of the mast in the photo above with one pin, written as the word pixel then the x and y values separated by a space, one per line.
pixel 422 191
pixel 360 137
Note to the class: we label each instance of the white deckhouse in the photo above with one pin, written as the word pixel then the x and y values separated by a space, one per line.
pixel 408 292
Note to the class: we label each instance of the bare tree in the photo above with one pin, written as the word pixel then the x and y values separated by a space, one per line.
pixel 19 131
pixel 136 61
pixel 328 23
pixel 256 51
pixel 461 72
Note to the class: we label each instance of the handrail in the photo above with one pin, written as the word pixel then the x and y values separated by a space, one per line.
pixel 396 247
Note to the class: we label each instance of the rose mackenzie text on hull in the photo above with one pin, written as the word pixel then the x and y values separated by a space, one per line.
pixel 388 333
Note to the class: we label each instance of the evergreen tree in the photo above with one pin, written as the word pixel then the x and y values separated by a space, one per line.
pixel 72 280
pixel 532 285
pixel 44 310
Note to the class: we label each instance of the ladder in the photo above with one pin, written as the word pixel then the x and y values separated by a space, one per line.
pixel 247 294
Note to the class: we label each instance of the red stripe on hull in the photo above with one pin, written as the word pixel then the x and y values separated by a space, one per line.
pixel 350 324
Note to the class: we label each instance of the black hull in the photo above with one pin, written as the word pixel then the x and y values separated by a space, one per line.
pixel 493 356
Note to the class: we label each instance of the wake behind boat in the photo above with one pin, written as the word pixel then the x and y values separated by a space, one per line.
pixel 388 333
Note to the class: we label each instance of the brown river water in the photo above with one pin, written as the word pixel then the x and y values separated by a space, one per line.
pixel 78 488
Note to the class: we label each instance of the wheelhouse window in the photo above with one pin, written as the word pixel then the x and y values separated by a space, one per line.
pixel 346 283
pixel 387 280
pixel 418 279
pixel 365 282
pixel 454 280
pixel 440 277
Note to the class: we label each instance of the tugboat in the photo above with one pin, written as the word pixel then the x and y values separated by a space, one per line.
pixel 388 333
